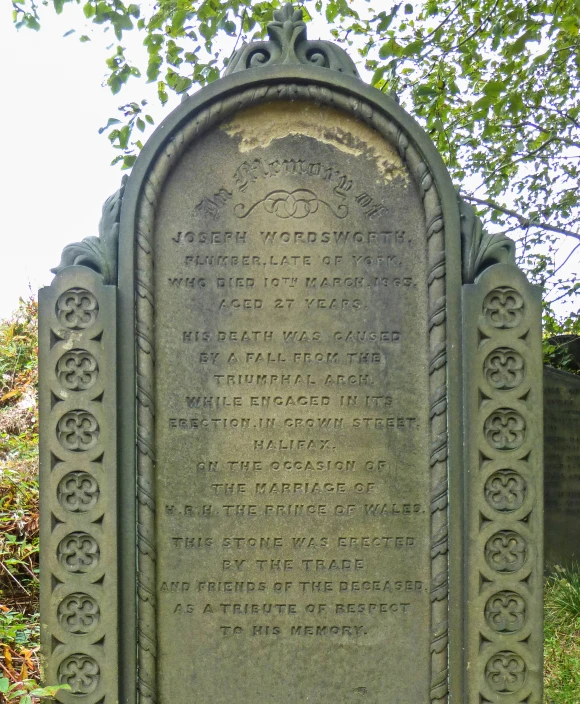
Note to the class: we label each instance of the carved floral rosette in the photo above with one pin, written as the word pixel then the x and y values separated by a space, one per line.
pixel 504 451
pixel 77 348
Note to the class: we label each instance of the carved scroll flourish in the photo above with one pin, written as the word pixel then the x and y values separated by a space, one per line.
pixel 437 324
pixel 298 204
pixel 480 249
pixel 288 45
pixel 99 253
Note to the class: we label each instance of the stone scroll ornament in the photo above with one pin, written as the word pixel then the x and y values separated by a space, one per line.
pixel 99 253
pixel 288 46
pixel 480 249
pixel 484 448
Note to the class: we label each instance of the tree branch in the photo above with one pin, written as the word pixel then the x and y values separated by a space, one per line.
pixel 524 222
pixel 475 31
pixel 428 36
pixel 567 140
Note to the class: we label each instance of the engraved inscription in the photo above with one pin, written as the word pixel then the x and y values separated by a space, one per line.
pixel 211 206
pixel 505 429
pixel 77 309
pixel 506 551
pixel 81 672
pixel 503 308
pixel 78 552
pixel 292 425
pixel 504 368
pixel 77 370
pixel 78 431
pixel 505 612
pixel 78 613
pixel 561 467
pixel 78 491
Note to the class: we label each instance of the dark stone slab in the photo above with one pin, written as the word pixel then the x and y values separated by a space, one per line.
pixel 561 467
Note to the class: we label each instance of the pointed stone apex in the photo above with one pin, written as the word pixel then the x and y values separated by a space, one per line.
pixel 288 45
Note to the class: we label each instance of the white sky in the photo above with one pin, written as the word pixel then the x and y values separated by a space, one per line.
pixel 56 171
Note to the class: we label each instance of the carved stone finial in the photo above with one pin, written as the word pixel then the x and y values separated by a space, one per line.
pixel 288 45
pixel 99 253
pixel 480 249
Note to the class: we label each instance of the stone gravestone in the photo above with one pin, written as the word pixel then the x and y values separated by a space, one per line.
pixel 291 414
pixel 562 467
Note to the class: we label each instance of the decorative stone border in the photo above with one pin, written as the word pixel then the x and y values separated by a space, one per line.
pixel 78 474
pixel 504 455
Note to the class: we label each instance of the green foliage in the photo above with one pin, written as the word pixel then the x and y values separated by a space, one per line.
pixel 561 342
pixel 17 629
pixel 562 636
pixel 120 136
pixel 494 82
pixel 18 352
pixel 19 527
pixel 19 624
pixel 26 691
pixel 563 596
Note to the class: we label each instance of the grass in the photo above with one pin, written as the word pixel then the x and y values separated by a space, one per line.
pixel 562 637
pixel 19 625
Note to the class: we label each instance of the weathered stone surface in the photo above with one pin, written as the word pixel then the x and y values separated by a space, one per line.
pixel 292 413
pixel 503 463
pixel 78 479
pixel 562 467
pixel 316 429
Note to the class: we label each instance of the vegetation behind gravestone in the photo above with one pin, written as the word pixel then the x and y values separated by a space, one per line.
pixel 562 637
pixel 19 663
pixel 19 622
pixel 562 350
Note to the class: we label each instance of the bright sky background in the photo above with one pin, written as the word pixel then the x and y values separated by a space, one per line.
pixel 56 171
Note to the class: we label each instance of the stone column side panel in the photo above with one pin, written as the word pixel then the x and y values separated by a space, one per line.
pixel 503 476
pixel 78 494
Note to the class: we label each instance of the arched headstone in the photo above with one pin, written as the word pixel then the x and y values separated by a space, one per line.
pixel 309 466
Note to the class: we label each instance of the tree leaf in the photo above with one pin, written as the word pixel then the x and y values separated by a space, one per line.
pixel 110 121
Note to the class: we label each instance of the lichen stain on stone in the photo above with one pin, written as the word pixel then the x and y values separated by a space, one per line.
pixel 259 126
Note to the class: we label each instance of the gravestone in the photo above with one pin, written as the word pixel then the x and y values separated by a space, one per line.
pixel 561 467
pixel 291 441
